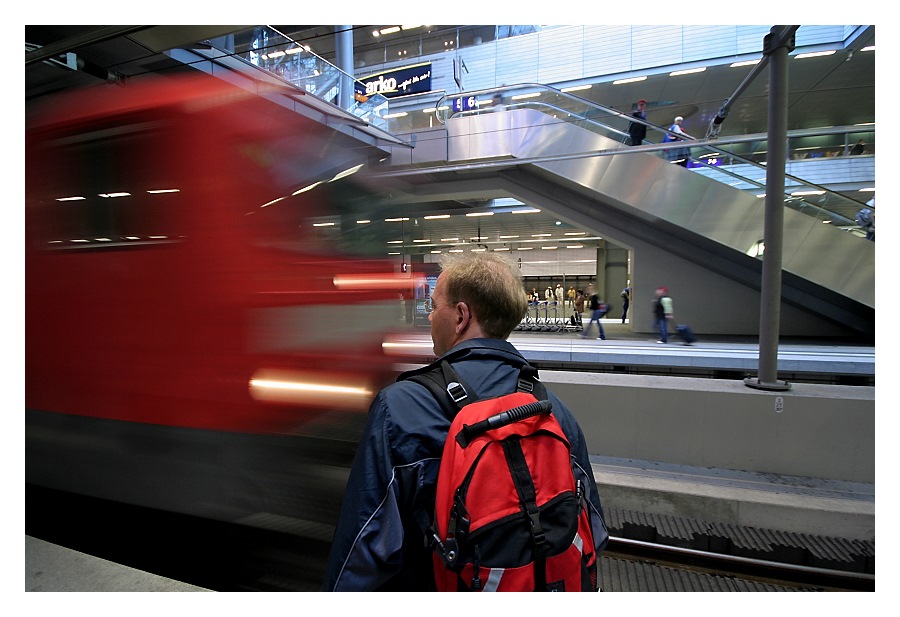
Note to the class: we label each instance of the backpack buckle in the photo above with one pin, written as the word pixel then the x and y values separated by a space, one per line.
pixel 456 391
pixel 525 385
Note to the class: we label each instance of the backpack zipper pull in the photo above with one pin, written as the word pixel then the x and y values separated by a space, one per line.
pixel 476 579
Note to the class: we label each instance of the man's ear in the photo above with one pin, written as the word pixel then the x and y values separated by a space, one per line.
pixel 463 317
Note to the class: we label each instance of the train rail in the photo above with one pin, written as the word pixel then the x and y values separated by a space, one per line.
pixel 228 557
pixel 719 572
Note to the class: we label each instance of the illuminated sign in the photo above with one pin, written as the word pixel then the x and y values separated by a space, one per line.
pixel 413 79
pixel 464 103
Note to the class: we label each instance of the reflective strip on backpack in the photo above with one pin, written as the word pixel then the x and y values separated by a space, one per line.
pixel 493 579
pixel 578 542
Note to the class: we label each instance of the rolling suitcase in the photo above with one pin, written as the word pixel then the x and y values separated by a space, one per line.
pixel 687 335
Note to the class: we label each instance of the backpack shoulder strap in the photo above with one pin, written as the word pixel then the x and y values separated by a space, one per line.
pixel 453 393
pixel 528 382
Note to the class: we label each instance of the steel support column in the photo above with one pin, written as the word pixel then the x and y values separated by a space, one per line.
pixel 778 43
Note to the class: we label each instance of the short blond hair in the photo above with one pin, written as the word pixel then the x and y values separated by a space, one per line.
pixel 491 285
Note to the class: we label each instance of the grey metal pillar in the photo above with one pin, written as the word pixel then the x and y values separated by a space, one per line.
pixel 343 39
pixel 778 43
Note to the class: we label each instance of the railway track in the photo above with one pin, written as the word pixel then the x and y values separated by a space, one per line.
pixel 228 557
pixel 634 565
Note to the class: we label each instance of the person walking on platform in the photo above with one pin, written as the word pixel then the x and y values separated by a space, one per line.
pixel 380 538
pixel 626 301
pixel 598 309
pixel 638 130
pixel 579 307
pixel 662 312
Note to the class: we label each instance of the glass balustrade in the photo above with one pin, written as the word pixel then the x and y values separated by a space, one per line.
pixel 737 161
pixel 277 53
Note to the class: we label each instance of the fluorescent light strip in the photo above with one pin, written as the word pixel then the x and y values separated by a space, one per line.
pixel 687 71
pixel 815 54
pixel 437 216
pixel 577 88
pixel 71 198
pixel 479 214
pixel 629 80
pixel 530 95
pixel 158 191
pixel 745 63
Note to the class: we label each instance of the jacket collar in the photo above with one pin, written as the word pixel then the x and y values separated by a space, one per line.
pixel 475 349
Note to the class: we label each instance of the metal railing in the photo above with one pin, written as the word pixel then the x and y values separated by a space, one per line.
pixel 741 164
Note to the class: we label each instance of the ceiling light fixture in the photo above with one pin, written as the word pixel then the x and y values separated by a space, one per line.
pixel 629 80
pixel 687 71
pixel 815 54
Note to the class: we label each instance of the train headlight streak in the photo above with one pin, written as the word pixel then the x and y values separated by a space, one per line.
pixel 376 281
pixel 326 389
pixel 307 387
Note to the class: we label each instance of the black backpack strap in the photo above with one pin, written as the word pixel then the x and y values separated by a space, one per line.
pixel 451 390
pixel 528 382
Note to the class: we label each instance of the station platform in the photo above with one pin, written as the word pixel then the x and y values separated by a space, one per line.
pixel 819 360
pixel 50 567
pixel 747 499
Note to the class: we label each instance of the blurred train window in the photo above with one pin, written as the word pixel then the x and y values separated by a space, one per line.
pixel 321 326
pixel 107 189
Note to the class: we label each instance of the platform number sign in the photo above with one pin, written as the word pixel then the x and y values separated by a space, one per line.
pixel 464 103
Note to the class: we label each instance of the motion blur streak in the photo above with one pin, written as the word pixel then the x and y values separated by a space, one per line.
pixel 375 281
pixel 327 390
pixel 179 354
pixel 410 345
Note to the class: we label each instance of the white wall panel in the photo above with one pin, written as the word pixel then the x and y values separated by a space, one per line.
pixel 561 54
pixel 517 60
pixel 656 46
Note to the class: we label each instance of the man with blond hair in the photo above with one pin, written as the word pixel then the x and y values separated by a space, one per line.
pixel 380 538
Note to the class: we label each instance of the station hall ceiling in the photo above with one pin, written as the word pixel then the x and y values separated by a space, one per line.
pixel 835 90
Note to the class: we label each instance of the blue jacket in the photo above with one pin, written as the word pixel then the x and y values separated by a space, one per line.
pixel 379 542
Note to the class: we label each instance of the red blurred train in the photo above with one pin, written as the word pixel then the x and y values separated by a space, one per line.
pixel 198 337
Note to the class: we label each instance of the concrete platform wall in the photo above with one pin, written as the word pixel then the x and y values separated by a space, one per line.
pixel 818 431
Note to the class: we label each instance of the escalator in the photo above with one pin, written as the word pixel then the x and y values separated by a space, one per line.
pixel 569 157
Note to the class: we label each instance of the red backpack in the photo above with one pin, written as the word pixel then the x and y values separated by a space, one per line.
pixel 509 514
